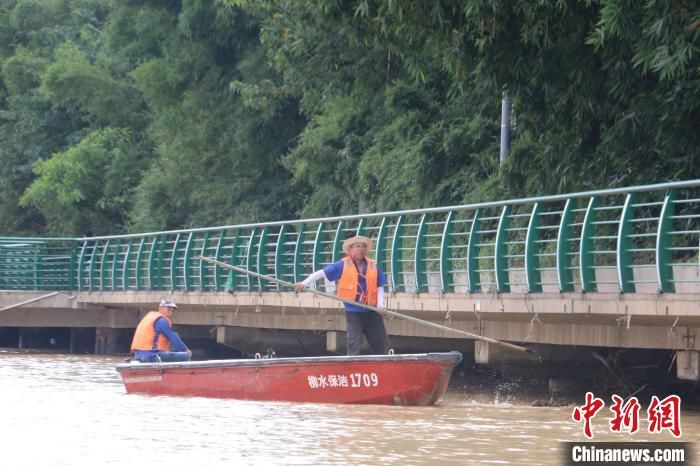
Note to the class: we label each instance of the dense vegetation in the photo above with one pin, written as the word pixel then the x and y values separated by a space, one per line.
pixel 133 115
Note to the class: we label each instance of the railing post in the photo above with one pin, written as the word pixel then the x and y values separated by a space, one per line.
pixel 155 264
pixel 280 249
pixel 103 261
pixel 625 273
pixel 72 269
pixel 396 256
pixel 202 265
pixel 586 259
pixel 664 269
pixel 217 256
pixel 337 243
pixel 115 256
pixel 4 269
pixel 173 262
pixel 249 259
pixel 262 266
pixel 186 272
pixel 380 245
pixel 152 258
pixel 532 251
pixel 420 274
pixel 81 265
pixel 125 268
pixel 316 254
pixel 446 279
pixel 37 269
pixel 139 257
pixel 361 227
pixel 91 272
pixel 565 275
pixel 231 280
pixel 473 274
pixel 297 255
pixel 501 251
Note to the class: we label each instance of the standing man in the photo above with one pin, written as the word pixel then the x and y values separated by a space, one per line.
pixel 155 338
pixel 361 280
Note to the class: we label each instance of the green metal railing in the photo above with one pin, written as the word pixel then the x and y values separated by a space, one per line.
pixel 38 264
pixel 639 239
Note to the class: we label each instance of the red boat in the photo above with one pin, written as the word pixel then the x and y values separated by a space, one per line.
pixel 401 379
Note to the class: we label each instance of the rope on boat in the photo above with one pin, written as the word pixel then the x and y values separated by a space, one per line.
pixel 371 308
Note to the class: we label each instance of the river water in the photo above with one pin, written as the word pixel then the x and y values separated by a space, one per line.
pixel 61 409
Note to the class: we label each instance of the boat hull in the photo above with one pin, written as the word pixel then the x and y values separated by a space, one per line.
pixel 410 379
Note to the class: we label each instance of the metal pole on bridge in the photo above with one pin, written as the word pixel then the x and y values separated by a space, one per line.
pixel 505 128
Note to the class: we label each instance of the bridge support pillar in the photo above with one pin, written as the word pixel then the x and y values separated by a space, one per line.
pixel 484 352
pixel 107 340
pixel 687 365
pixel 335 342
pixel 488 353
pixel 82 340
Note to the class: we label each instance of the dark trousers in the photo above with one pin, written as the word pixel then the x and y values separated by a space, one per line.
pixel 369 324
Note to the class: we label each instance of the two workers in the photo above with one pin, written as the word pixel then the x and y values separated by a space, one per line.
pixel 359 278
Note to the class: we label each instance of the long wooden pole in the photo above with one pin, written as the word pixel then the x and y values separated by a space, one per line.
pixel 371 308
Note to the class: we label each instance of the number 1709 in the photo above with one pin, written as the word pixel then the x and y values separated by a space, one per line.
pixel 364 380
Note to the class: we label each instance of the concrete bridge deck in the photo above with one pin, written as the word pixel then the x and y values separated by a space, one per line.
pixel 643 321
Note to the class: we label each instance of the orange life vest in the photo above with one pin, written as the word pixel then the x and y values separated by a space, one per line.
pixel 145 336
pixel 348 283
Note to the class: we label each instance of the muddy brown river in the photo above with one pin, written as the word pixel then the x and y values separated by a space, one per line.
pixel 62 409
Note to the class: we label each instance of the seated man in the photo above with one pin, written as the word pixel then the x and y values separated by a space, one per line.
pixel 155 337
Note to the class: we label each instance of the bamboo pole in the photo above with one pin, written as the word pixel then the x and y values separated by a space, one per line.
pixel 371 308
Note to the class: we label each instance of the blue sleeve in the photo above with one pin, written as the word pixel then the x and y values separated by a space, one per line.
pixel 161 326
pixel 381 278
pixel 334 271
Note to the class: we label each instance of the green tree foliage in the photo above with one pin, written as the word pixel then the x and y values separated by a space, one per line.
pixel 32 125
pixel 106 100
pixel 77 73
pixel 378 137
pixel 132 115
pixel 605 92
pixel 218 157
pixel 87 186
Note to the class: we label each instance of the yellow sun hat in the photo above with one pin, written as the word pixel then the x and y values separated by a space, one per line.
pixel 347 244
